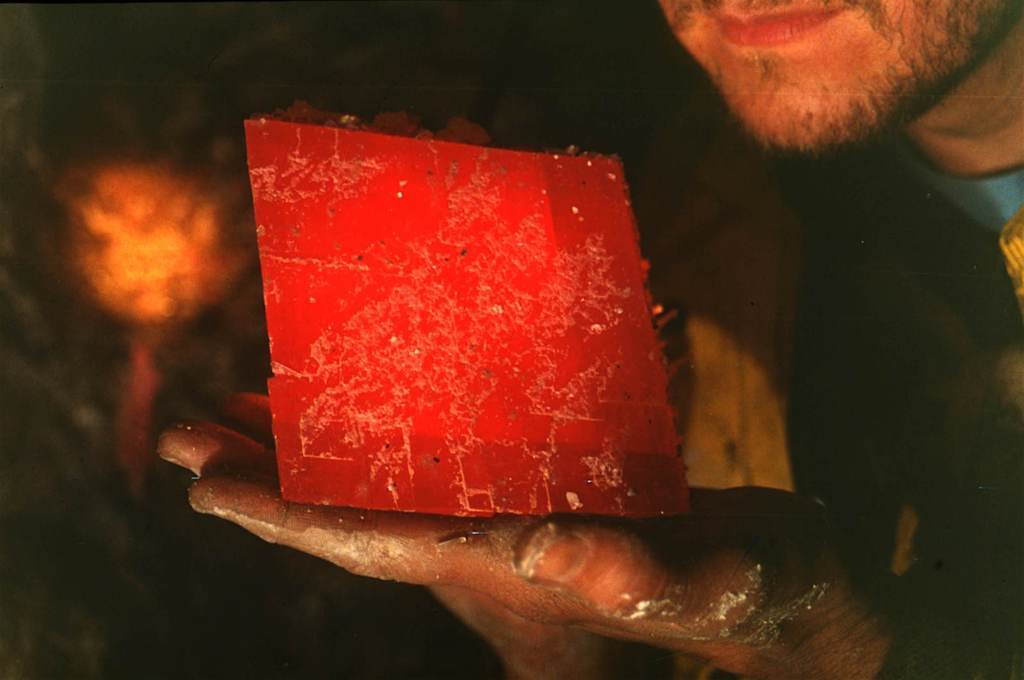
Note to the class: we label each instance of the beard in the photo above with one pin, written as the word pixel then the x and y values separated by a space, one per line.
pixel 908 59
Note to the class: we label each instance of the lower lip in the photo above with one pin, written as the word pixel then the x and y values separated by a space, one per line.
pixel 770 30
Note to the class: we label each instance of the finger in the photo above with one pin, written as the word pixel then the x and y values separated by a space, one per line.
pixel 251 412
pixel 470 553
pixel 422 549
pixel 206 447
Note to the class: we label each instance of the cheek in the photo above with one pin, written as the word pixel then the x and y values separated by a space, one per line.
pixel 701 40
pixel 933 36
pixel 859 61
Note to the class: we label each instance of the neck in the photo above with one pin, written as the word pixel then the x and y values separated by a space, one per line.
pixel 978 129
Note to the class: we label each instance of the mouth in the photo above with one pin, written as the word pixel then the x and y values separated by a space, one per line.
pixel 769 30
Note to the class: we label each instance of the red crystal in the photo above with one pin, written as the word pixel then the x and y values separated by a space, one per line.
pixel 457 329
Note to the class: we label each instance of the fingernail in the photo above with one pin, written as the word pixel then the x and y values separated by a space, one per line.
pixel 185 446
pixel 552 555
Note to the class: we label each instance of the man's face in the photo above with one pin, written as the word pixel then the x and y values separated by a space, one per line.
pixel 816 74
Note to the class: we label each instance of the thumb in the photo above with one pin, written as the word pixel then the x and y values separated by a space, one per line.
pixel 610 571
pixel 712 575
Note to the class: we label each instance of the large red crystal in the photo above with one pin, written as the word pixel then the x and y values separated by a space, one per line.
pixel 457 329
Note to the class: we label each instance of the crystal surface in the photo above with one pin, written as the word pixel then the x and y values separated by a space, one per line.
pixel 457 329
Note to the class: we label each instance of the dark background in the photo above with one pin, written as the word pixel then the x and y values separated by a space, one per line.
pixel 98 582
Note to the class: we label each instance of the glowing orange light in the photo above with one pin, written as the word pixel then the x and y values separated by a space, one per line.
pixel 148 242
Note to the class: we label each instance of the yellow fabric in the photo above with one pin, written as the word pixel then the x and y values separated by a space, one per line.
pixel 903 551
pixel 1012 243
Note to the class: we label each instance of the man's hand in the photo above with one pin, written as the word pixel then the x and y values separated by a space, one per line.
pixel 746 580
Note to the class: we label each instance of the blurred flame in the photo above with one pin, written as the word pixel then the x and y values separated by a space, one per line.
pixel 148 241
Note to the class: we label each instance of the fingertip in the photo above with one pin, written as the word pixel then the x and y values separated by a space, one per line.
pixel 202 448
pixel 187 446
pixel 205 496
pixel 202 496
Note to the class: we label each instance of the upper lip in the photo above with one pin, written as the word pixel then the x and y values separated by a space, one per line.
pixel 766 29
pixel 767 17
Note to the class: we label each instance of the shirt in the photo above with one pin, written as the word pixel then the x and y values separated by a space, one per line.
pixel 989 201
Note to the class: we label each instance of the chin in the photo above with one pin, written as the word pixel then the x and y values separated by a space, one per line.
pixel 808 122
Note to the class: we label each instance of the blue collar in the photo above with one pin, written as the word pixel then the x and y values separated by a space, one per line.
pixel 991 201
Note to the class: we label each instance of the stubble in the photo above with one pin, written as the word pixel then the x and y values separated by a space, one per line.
pixel 919 51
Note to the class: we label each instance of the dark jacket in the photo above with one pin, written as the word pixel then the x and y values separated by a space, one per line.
pixel 908 398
